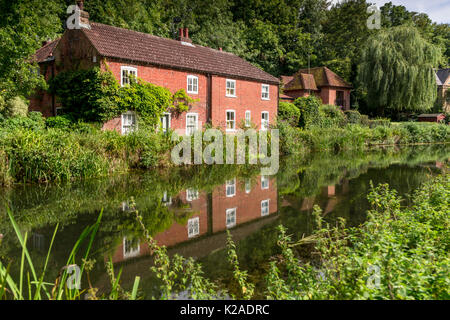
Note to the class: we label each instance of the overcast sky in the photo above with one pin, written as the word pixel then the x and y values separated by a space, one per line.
pixel 437 10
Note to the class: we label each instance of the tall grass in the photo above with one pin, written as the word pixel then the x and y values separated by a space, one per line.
pixel 31 284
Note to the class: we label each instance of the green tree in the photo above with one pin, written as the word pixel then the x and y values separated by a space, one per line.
pixel 24 24
pixel 397 70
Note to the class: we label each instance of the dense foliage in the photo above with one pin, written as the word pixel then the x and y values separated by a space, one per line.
pixel 279 36
pixel 95 96
pixel 397 70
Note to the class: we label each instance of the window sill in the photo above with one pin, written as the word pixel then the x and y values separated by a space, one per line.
pixel 230 96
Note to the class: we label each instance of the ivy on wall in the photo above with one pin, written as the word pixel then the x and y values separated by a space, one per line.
pixel 96 96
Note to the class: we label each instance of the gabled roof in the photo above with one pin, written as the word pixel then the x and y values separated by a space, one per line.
pixel 113 42
pixel 299 81
pixel 324 77
pixel 442 76
pixel 46 51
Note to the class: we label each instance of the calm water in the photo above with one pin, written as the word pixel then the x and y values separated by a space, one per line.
pixel 189 211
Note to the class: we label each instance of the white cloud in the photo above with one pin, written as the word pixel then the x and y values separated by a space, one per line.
pixel 437 10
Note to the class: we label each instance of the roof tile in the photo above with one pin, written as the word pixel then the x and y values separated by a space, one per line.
pixel 135 46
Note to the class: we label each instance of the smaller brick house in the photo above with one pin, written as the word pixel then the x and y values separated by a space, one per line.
pixel 321 82
pixel 229 91
pixel 443 84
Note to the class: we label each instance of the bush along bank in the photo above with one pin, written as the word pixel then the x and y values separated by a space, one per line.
pixel 79 151
pixel 307 126
pixel 34 149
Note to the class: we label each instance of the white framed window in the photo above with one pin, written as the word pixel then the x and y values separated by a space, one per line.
pixel 193 227
pixel 94 58
pixel 126 206
pixel 248 186
pixel 126 74
pixel 192 84
pixel 265 208
pixel 265 92
pixel 231 88
pixel 130 248
pixel 231 218
pixel 166 199
pixel 231 188
pixel 166 122
pixel 192 194
pixel 231 120
pixel 264 182
pixel 191 123
pixel 129 122
pixel 248 118
pixel 264 120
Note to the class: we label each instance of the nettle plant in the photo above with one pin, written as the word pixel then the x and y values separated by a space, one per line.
pixel 96 96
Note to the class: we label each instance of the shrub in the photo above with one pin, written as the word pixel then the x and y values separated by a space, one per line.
pixel 59 122
pixel 309 111
pixel 289 112
pixel 16 107
pixel 2 105
pixel 34 122
pixel 379 122
pixel 89 95
pixel 332 116
pixel 353 116
pixel 364 121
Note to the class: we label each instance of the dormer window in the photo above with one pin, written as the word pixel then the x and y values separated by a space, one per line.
pixel 231 88
pixel 127 74
pixel 192 84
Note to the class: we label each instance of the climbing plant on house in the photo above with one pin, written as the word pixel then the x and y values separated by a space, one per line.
pixel 95 95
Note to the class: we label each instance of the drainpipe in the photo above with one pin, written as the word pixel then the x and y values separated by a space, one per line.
pixel 53 95
pixel 209 99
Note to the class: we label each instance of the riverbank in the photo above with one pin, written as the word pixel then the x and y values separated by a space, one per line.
pixel 357 137
pixel 32 153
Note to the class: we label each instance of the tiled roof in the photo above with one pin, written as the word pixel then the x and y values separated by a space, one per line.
pixel 135 46
pixel 44 52
pixel 442 76
pixel 299 81
pixel 324 77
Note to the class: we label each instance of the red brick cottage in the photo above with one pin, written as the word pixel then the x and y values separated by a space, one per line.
pixel 229 90
pixel 321 82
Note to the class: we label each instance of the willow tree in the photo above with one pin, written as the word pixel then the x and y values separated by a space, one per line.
pixel 397 70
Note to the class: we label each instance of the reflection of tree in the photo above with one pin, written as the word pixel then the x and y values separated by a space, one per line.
pixel 303 179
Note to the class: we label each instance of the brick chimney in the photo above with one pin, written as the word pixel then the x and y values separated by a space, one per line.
pixel 84 16
pixel 184 35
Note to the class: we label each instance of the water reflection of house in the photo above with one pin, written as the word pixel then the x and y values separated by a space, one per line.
pixel 235 203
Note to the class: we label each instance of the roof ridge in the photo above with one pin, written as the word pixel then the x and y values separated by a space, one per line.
pixel 116 42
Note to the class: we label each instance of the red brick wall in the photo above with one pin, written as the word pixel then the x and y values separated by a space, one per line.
pixel 172 80
pixel 328 96
pixel 248 97
pixel 74 51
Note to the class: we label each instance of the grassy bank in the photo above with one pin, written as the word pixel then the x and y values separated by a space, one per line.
pixel 32 151
pixel 359 137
